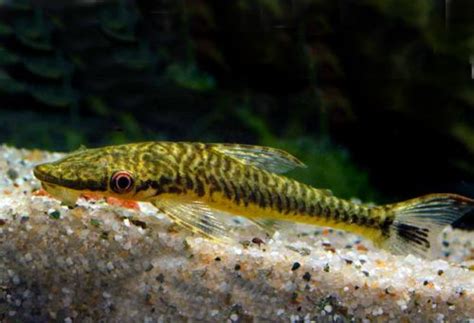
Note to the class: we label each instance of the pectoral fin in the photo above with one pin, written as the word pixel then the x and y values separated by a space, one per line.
pixel 197 217
pixel 67 196
pixel 270 159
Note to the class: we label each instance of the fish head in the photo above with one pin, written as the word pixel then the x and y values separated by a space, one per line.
pixel 109 171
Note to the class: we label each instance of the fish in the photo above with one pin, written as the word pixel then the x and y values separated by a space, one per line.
pixel 198 184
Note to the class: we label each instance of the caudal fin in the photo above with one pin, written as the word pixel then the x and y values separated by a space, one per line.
pixel 419 221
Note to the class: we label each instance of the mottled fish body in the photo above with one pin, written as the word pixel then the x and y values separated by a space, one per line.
pixel 194 183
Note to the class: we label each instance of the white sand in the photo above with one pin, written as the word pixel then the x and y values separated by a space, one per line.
pixel 102 262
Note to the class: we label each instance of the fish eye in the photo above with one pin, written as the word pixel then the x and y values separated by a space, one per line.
pixel 121 182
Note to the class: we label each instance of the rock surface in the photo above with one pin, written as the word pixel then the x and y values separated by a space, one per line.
pixel 98 261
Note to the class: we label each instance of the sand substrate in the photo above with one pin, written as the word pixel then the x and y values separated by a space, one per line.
pixel 102 262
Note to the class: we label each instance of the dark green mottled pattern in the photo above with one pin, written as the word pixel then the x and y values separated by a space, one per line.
pixel 183 168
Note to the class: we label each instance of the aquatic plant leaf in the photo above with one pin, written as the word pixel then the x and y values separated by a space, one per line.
pixel 20 5
pixel 7 57
pixel 119 23
pixel 5 30
pixel 54 96
pixel 190 77
pixel 140 58
pixel 53 68
pixel 10 85
pixel 35 34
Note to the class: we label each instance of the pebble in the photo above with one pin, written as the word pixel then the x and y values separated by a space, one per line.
pixel 295 266
pixel 110 266
pixel 69 261
pixel 16 280
pixel 126 222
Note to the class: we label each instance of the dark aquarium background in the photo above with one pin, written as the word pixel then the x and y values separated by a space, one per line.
pixel 377 97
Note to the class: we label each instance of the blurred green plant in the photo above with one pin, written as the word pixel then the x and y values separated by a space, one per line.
pixel 7 57
pixel 130 131
pixel 34 31
pixel 329 166
pixel 48 67
pixel 119 21
pixel 10 85
pixel 189 77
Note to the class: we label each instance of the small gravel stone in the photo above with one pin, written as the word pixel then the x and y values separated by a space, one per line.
pixel 307 276
pixel 12 174
pixel 54 214
pixel 295 266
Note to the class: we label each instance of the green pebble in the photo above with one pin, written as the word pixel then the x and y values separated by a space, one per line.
pixel 95 222
pixel 55 214
pixel 12 174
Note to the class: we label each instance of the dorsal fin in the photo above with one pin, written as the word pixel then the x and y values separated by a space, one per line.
pixel 270 159
pixel 81 148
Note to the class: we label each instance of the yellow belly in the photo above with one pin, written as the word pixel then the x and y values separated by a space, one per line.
pixel 252 211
